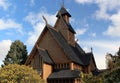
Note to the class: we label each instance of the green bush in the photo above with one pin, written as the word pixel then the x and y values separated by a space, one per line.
pixel 89 78
pixel 14 73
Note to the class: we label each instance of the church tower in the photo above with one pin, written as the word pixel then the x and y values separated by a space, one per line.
pixel 64 27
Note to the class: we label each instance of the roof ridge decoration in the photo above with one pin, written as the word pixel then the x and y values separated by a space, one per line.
pixel 45 20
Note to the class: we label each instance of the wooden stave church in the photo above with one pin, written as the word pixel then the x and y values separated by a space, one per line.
pixel 56 55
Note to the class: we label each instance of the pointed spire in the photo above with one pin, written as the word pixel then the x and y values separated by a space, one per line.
pixel 63 12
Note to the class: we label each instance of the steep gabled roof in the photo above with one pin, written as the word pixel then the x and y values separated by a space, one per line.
pixel 74 53
pixel 65 46
pixel 89 57
pixel 85 58
pixel 63 11
pixel 61 74
pixel 45 55
pixel 31 55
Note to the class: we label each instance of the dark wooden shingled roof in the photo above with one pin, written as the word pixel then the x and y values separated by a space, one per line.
pixel 69 26
pixel 75 54
pixel 45 55
pixel 65 46
pixel 84 57
pixel 87 58
pixel 65 74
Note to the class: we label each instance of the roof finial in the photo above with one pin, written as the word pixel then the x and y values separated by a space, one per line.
pixel 37 46
pixel 91 49
pixel 62 3
pixel 45 20
pixel 76 40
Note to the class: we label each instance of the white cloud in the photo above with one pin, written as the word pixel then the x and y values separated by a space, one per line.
pixel 38 24
pixel 32 2
pixel 4 48
pixel 108 45
pixel 114 29
pixel 86 49
pixel 108 10
pixel 80 31
pixel 84 1
pixel 34 18
pixel 101 14
pixel 10 24
pixel 4 4
pixel 104 7
pixel 93 35
pixel 100 48
pixel 33 36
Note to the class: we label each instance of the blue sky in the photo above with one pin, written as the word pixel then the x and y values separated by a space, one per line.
pixel 97 23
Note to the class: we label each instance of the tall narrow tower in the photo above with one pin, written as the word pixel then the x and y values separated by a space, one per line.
pixel 63 25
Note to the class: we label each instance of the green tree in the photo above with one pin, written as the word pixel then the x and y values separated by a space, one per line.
pixel 110 62
pixel 112 76
pixel 14 73
pixel 117 58
pixel 17 53
pixel 118 52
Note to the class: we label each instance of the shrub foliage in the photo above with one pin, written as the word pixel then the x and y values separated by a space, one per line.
pixel 14 73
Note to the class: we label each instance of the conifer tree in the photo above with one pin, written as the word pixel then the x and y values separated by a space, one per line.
pixel 17 53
